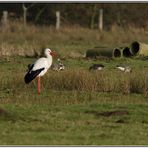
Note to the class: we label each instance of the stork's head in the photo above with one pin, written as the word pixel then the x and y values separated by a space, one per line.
pixel 48 52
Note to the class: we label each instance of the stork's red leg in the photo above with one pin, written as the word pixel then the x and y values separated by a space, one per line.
pixel 39 85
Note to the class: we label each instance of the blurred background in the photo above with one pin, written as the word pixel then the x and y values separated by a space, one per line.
pixel 82 14
pixel 70 28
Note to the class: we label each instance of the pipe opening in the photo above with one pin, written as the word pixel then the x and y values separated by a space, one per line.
pixel 117 53
pixel 135 46
pixel 126 52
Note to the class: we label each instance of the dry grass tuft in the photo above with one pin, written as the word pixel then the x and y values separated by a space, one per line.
pixel 104 81
pixel 79 80
pixel 69 41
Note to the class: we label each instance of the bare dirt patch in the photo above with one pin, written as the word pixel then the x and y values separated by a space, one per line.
pixel 3 112
pixel 109 113
pixel 120 121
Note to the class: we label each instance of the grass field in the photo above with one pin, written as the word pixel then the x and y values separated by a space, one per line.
pixel 74 116
pixel 76 107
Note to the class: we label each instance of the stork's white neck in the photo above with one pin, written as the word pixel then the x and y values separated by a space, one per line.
pixel 48 56
pixel 49 59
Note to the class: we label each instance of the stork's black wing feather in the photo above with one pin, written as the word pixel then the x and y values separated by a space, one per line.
pixel 30 66
pixel 31 75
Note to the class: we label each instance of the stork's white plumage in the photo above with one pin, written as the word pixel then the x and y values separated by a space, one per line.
pixel 39 68
pixel 44 62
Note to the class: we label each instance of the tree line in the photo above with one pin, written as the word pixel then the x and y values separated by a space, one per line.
pixel 83 14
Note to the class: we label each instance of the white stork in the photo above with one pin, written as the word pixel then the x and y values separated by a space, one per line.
pixel 39 68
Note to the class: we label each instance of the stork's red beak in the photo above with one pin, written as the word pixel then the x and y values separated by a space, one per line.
pixel 52 53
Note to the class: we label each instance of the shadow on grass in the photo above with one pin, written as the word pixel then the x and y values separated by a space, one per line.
pixel 14 117
pixel 109 113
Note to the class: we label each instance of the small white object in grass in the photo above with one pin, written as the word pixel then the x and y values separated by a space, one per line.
pixel 125 69
pixel 58 66
pixel 96 67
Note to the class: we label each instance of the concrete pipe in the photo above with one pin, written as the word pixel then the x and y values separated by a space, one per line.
pixel 102 51
pixel 117 53
pixel 138 48
pixel 126 52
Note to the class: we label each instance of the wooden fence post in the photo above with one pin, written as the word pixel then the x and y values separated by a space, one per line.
pixel 5 21
pixel 57 20
pixel 101 20
pixel 24 15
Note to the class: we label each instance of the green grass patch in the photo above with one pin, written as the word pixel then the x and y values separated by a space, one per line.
pixel 40 123
pixel 99 110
